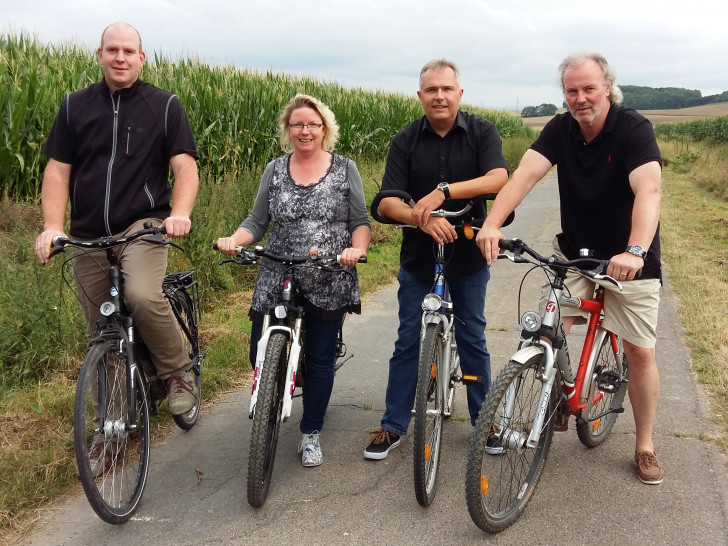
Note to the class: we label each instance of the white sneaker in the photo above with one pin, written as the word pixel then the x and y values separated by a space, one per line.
pixel 310 450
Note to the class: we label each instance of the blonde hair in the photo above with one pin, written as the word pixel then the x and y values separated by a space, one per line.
pixel 331 128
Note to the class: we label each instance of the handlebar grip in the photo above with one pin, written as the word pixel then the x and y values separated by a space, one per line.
pixel 383 195
pixel 58 245
pixel 509 244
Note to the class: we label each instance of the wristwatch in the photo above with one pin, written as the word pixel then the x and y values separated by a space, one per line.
pixel 445 187
pixel 637 250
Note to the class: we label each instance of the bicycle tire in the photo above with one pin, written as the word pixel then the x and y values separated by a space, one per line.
pixel 609 385
pixel 115 484
pixel 185 314
pixel 428 421
pixel 267 420
pixel 498 487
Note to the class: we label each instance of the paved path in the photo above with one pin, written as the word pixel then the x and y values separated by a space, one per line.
pixel 584 495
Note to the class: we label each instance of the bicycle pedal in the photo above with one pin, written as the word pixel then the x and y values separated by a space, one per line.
pixel 472 380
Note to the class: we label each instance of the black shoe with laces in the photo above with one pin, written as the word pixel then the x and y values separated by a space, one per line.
pixel 382 442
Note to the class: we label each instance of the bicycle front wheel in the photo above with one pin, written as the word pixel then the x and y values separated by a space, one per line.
pixel 499 483
pixel 187 326
pixel 606 394
pixel 429 406
pixel 267 419
pixel 112 453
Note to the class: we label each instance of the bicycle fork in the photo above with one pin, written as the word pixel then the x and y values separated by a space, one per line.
pixel 293 334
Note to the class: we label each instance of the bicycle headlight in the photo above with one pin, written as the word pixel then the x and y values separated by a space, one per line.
pixel 432 303
pixel 280 311
pixel 107 308
pixel 531 321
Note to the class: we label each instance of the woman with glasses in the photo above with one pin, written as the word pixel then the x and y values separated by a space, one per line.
pixel 315 199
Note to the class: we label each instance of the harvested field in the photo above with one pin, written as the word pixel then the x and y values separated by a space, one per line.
pixel 655 116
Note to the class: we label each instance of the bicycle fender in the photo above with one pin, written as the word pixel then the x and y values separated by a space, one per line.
pixel 525 354
pixel 259 360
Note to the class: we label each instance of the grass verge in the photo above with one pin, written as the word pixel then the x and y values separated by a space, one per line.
pixel 694 232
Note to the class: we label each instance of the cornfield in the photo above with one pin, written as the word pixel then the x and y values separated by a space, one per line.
pixel 233 114
pixel 711 130
pixel 233 111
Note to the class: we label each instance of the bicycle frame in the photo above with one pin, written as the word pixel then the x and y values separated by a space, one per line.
pixel 571 383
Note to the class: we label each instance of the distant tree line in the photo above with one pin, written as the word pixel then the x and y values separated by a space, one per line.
pixel 666 98
pixel 537 111
pixel 643 98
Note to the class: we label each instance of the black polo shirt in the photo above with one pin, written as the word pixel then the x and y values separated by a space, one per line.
pixel 595 195
pixel 418 160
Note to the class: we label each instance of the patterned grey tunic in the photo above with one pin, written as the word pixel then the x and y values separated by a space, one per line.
pixel 303 217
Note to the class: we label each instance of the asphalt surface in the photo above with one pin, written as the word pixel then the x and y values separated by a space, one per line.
pixel 196 493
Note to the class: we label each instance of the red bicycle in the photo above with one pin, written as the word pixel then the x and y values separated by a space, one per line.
pixel 523 408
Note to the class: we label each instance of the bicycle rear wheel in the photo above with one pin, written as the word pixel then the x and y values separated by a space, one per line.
pixel 267 419
pixel 607 391
pixel 498 487
pixel 429 407
pixel 187 325
pixel 112 454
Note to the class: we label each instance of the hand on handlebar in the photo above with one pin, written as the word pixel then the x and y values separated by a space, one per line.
pixel 351 255
pixel 227 245
pixel 487 241
pixel 423 208
pixel 440 229
pixel 177 226
pixel 625 266
pixel 44 242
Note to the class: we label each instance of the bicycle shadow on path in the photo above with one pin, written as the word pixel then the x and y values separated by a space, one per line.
pixel 196 493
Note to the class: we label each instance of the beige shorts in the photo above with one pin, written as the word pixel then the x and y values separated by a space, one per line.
pixel 631 313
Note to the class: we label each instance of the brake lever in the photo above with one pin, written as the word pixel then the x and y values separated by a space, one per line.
pixel 157 238
pixel 600 277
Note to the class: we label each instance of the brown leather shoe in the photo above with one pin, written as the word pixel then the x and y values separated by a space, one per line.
pixel 648 468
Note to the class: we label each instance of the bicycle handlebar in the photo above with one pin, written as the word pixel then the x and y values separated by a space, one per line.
pixel 152 234
pixel 591 267
pixel 441 213
pixel 250 256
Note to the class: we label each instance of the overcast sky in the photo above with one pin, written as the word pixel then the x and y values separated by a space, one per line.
pixel 508 51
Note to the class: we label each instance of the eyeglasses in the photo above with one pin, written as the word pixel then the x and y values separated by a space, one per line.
pixel 309 126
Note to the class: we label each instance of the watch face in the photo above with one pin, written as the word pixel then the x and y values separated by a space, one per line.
pixel 637 250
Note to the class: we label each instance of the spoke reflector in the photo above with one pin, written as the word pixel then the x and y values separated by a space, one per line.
pixel 484 484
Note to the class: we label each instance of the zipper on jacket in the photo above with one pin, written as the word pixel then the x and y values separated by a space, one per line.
pixel 128 139
pixel 115 107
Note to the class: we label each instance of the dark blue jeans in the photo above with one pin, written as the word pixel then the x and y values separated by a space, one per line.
pixel 320 354
pixel 468 296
